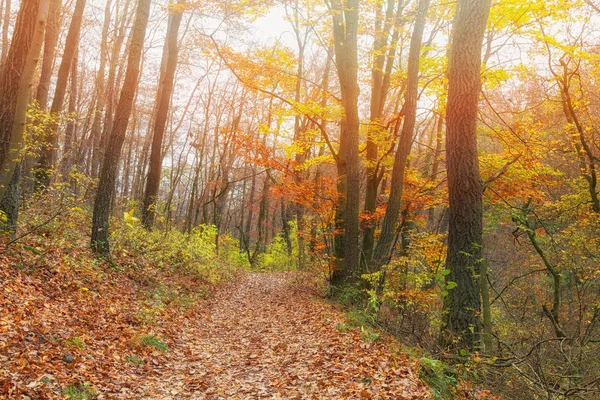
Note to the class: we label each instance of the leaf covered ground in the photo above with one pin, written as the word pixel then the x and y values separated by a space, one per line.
pixel 89 331
pixel 266 337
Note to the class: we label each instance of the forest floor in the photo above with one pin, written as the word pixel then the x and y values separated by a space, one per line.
pixel 267 337
pixel 72 328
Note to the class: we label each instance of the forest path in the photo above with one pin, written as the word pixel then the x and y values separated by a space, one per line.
pixel 266 336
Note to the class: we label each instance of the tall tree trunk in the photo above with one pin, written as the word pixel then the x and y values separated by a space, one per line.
pixel 345 33
pixel 96 132
pixel 299 129
pixel 43 172
pixel 383 24
pixel 435 166
pixel 50 44
pixel 5 27
pixel 109 98
pixel 462 304
pixel 11 200
pixel 110 164
pixel 388 228
pixel 15 84
pixel 163 101
pixel 68 158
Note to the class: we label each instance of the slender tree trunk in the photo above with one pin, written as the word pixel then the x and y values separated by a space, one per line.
pixel 110 164
pixel 163 100
pixel 68 158
pixel 250 206
pixel 383 24
pixel 111 85
pixel 11 201
pixel 16 75
pixel 43 172
pixel 462 304
pixel 96 133
pixel 388 229
pixel 435 166
pixel 50 44
pixel 5 27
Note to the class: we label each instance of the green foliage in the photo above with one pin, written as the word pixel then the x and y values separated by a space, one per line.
pixel 79 391
pixel 440 378
pixel 369 334
pixel 357 318
pixel 75 342
pixel 154 341
pixel 135 360
pixel 277 255
pixel 343 328
pixel 349 295
pixel 195 253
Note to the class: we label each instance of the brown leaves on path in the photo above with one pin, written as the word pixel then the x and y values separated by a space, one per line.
pixel 265 337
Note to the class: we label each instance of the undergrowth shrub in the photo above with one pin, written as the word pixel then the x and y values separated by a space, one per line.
pixel 279 255
pixel 440 378
pixel 193 253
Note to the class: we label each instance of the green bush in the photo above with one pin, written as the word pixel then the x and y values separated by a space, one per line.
pixel 440 378
pixel 194 253
pixel 277 256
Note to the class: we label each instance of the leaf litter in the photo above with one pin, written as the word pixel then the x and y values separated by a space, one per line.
pixel 265 336
pixel 262 336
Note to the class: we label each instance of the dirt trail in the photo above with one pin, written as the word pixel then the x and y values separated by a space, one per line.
pixel 266 337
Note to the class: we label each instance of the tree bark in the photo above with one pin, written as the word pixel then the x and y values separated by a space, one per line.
pixel 110 164
pixel 68 157
pixel 163 100
pixel 43 172
pixel 5 27
pixel 462 304
pixel 383 25
pixel 96 130
pixel 388 229
pixel 15 84
pixel 50 44
pixel 345 33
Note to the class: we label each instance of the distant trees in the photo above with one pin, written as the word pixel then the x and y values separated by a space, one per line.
pixel 388 229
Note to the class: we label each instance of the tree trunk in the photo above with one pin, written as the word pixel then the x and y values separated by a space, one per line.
pixel 5 27
pixel 383 24
pixel 163 101
pixel 388 229
pixel 50 44
pixel 68 157
pixel 109 98
pixel 96 132
pixel 110 164
pixel 43 172
pixel 346 251
pixel 462 304
pixel 15 84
